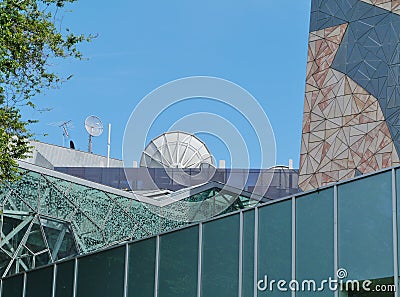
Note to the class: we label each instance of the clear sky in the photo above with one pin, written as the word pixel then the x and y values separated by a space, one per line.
pixel 260 45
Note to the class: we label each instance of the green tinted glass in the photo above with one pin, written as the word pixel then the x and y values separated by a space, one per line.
pixel 39 283
pixel 178 263
pixel 142 260
pixel 65 279
pixel 13 286
pixel 102 274
pixel 314 241
pixel 275 245
pixel 220 257
pixel 365 227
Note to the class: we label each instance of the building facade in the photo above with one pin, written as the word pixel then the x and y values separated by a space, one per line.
pixel 344 232
pixel 351 123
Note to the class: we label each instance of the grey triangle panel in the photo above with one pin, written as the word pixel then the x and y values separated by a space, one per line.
pixel 369 53
pixel 329 13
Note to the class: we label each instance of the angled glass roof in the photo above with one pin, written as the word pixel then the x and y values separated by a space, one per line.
pixel 47 216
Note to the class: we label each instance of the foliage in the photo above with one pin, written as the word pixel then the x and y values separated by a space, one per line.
pixel 31 39
pixel 14 142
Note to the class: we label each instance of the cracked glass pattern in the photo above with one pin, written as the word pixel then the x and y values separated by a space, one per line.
pixel 45 218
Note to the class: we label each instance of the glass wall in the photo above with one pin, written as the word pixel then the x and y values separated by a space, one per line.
pixel 141 268
pixel 102 274
pixel 178 263
pixel 13 286
pixel 365 222
pixel 39 283
pixel 220 257
pixel 315 239
pixel 65 279
pixel 275 246
pixel 347 227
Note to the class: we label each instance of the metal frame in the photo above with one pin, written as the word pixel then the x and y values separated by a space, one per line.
pixel 240 255
pixel 24 286
pixel 53 288
pixel 157 268
pixel 75 278
pixel 126 270
pixel 200 260
pixel 255 251
pixel 335 236
pixel 293 241
pixel 395 234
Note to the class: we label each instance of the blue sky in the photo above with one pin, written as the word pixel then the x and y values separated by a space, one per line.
pixel 141 45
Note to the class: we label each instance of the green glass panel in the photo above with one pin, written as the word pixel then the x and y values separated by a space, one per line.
pixel 65 279
pixel 142 261
pixel 13 286
pixel 220 265
pixel 275 246
pixel 383 287
pixel 39 283
pixel 314 241
pixel 178 263
pixel 398 213
pixel 365 227
pixel 35 241
pixel 102 274
pixel 248 253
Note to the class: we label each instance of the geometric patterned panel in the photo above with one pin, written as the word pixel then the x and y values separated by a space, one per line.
pixel 329 13
pixel 344 128
pixel 393 6
pixel 370 55
pixel 44 218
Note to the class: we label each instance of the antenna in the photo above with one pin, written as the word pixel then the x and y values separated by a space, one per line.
pixel 64 125
pixel 94 127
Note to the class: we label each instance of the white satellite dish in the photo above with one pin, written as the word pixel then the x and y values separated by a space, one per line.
pixel 94 127
pixel 176 149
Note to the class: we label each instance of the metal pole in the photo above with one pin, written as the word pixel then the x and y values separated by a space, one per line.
pixel 395 244
pixel 200 260
pixel 90 143
pixel 157 266
pixel 108 145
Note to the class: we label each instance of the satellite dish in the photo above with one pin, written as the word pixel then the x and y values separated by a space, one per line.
pixel 94 127
pixel 176 149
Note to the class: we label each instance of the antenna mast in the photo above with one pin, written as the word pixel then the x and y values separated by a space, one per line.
pixel 94 127
pixel 64 126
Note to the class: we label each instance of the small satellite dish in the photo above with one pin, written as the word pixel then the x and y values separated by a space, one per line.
pixel 94 127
